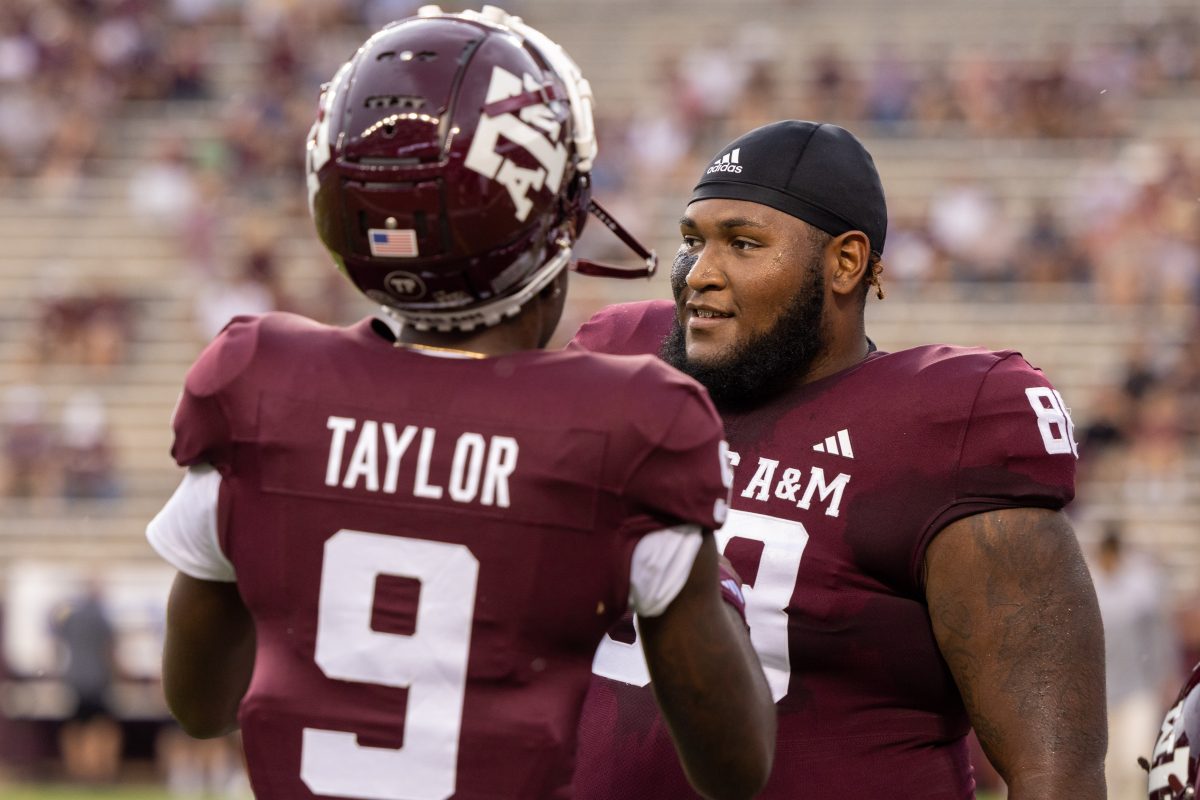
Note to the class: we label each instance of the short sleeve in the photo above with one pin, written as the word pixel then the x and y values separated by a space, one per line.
pixel 684 475
pixel 200 422
pixel 626 329
pixel 661 565
pixel 1018 447
pixel 184 532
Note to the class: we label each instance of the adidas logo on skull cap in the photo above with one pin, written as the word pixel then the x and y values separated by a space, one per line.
pixel 816 172
pixel 727 162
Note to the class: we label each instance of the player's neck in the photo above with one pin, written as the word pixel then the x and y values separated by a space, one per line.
pixel 506 337
pixel 842 353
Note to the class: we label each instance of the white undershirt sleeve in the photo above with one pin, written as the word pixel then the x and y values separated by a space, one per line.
pixel 184 533
pixel 662 562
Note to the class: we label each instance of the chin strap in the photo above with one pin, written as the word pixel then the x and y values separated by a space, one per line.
pixel 585 267
pixel 493 311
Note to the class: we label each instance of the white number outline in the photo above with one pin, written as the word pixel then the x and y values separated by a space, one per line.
pixel 767 601
pixel 1050 409
pixel 431 663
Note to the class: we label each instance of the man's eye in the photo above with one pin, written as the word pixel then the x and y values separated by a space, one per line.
pixel 743 244
pixel 691 241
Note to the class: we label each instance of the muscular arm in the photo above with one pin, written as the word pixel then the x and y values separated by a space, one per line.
pixel 208 655
pixel 711 687
pixel 1015 616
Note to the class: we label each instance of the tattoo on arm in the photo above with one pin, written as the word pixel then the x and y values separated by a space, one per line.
pixel 1015 615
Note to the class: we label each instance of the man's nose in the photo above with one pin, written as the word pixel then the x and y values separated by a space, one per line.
pixel 705 274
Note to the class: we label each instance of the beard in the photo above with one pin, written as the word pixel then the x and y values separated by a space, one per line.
pixel 763 366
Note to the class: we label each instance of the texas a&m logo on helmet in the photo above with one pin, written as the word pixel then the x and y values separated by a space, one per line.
pixel 1175 765
pixel 455 147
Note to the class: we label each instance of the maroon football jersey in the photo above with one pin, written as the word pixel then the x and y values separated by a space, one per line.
pixel 838 488
pixel 432 548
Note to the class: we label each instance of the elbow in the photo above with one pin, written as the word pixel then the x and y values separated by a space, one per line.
pixel 758 768
pixel 754 768
pixel 762 756
pixel 201 726
pixel 745 775
pixel 203 720
pixel 737 782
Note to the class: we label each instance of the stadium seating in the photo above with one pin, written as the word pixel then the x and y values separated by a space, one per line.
pixel 93 236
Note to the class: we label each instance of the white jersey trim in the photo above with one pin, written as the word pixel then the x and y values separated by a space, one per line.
pixel 184 533
pixel 662 562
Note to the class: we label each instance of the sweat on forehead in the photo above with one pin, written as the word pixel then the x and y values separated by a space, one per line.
pixel 816 172
pixel 726 216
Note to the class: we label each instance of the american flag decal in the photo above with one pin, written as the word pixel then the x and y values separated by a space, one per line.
pixel 394 244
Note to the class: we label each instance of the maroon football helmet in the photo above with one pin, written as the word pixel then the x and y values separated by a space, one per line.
pixel 1175 765
pixel 448 166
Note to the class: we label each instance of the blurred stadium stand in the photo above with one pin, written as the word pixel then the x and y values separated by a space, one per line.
pixel 186 199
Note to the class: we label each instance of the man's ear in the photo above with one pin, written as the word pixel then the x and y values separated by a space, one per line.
pixel 852 254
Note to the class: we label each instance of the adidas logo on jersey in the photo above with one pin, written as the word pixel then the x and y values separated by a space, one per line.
pixel 838 444
pixel 726 163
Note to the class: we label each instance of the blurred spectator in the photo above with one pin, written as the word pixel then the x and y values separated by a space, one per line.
pixel 187 65
pixel 833 95
pixel 260 240
pixel 1187 623
pixel 935 107
pixel 1155 471
pixel 163 190
pixel 26 124
pixel 911 257
pixel 257 142
pixel 1049 102
pixel 74 142
pixel 90 739
pixel 713 76
pixel 220 300
pixel 29 465
pixel 890 90
pixel 201 229
pixel 1143 369
pixel 109 327
pixel 201 767
pixel 1107 72
pixel 1098 196
pixel 1176 52
pixel 89 326
pixel 982 86
pixel 1185 377
pixel 192 12
pixel 659 145
pixel 121 41
pixel 1140 657
pixel 967 223
pixel 1047 254
pixel 759 46
pixel 759 102
pixel 86 451
pixel 1104 435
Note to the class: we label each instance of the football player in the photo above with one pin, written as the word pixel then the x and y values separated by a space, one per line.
pixel 1174 766
pixel 400 543
pixel 896 516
